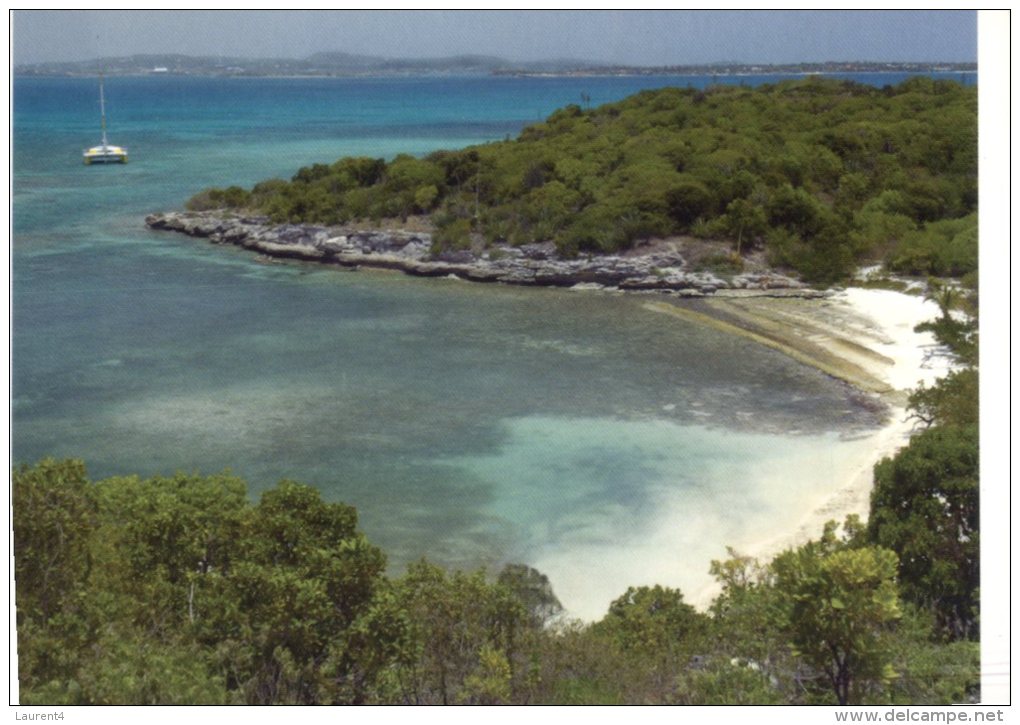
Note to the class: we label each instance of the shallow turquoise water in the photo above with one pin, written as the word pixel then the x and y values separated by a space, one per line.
pixel 472 424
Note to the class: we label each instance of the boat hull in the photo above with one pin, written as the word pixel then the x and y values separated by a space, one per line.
pixel 105 155
pixel 106 160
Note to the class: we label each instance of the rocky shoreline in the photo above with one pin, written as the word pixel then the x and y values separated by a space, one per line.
pixel 661 270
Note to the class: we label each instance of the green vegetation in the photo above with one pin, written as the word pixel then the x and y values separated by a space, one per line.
pixel 178 590
pixel 841 602
pixel 822 174
pixel 925 503
pixel 925 506
pixel 957 332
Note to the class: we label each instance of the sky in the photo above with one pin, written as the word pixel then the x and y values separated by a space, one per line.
pixel 644 37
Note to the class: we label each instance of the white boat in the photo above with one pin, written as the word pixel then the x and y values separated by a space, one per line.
pixel 104 153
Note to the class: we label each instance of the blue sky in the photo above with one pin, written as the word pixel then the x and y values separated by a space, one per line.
pixel 650 37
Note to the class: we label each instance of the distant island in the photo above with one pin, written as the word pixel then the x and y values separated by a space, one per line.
pixel 338 64
pixel 752 69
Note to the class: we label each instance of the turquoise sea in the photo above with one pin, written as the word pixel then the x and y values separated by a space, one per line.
pixel 470 424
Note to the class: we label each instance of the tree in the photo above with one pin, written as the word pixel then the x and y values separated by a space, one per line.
pixel 947 247
pixel 925 506
pixel 744 624
pixel 646 618
pixel 425 197
pixel 838 606
pixel 795 209
pixel 176 525
pixel 466 633
pixel 960 335
pixel 166 543
pixel 952 400
pixel 127 667
pixel 745 220
pixel 687 201
pixel 655 633
pixel 54 522
pixel 364 171
pixel 930 671
pixel 489 683
pixel 54 517
pixel 273 595
pixel 305 577
pixel 533 589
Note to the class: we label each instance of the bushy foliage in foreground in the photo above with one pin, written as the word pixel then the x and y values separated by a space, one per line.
pixel 178 590
pixel 823 173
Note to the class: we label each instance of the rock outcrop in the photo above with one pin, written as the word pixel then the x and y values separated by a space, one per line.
pixel 662 271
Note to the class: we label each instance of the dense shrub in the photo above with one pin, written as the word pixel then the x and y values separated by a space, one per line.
pixel 181 590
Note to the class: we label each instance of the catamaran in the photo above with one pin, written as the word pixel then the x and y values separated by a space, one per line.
pixel 104 153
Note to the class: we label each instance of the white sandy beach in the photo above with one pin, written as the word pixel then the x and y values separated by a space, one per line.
pixel 887 321
pixel 777 501
pixel 883 321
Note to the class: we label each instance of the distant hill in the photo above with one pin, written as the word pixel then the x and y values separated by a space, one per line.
pixel 339 63
pixel 319 64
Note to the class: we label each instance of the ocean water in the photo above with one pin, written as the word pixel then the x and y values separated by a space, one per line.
pixel 471 424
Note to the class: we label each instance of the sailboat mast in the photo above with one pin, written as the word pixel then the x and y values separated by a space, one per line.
pixel 102 109
pixel 104 153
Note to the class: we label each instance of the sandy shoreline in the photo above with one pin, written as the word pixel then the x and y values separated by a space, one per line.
pixel 777 490
pixel 879 327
